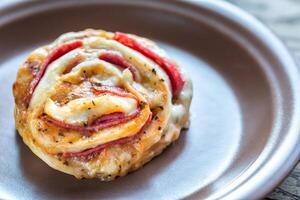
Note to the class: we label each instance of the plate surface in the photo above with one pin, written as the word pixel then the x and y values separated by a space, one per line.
pixel 245 120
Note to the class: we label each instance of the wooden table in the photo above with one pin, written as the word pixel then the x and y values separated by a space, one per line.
pixel 283 17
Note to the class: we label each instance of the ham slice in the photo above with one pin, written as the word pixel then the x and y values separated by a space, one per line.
pixel 117 59
pixel 175 77
pixel 112 90
pixel 105 121
pixel 100 147
pixel 54 55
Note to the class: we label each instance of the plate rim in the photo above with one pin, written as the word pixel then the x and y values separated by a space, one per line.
pixel 254 187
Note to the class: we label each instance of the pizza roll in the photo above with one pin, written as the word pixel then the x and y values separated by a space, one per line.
pixel 96 104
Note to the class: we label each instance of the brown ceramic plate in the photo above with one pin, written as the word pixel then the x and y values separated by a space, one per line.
pixel 244 132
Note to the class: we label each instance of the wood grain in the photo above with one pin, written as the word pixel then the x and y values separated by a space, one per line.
pixel 283 17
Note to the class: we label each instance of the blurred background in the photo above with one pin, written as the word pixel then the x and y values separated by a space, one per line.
pixel 283 17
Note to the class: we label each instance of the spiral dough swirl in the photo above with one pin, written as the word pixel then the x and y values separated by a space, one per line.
pixel 100 104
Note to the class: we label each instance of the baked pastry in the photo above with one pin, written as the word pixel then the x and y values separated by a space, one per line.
pixel 100 104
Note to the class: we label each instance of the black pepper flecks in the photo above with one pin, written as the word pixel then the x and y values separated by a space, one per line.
pixel 66 163
pixel 42 129
pixel 97 84
pixel 159 128
pixel 142 103
pixel 59 155
pixel 154 71
pixel 61 134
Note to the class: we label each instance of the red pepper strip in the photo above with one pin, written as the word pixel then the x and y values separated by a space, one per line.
pixel 55 54
pixel 100 147
pixel 104 121
pixel 176 79
pixel 112 90
pixel 120 61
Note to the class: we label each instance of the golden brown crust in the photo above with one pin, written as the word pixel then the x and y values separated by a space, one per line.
pixel 70 79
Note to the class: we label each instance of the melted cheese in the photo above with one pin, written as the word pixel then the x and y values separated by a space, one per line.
pixel 101 71
pixel 51 77
pixel 102 136
pixel 83 110
pixel 118 159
